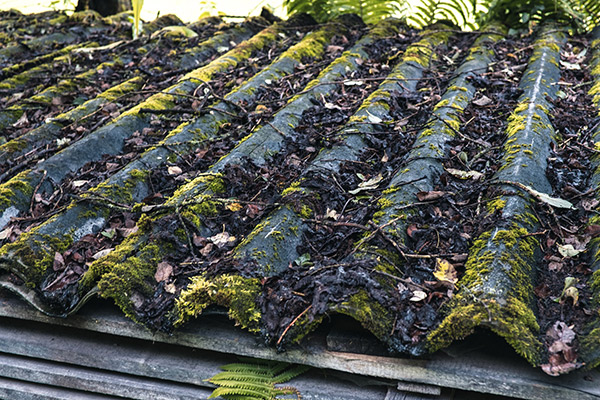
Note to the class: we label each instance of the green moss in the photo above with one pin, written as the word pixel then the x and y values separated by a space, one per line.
pixel 514 321
pixel 392 189
pixel 305 212
pixel 13 146
pixel 105 264
pixel 134 274
pixel 371 315
pixel 441 103
pixel 294 187
pixel 121 192
pixel 455 88
pixel 236 293
pixel 503 307
pixel 17 186
pixel 495 205
pixel 115 92
pixel 204 207
pixel 33 254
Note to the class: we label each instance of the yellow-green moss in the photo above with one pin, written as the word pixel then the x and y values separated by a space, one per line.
pixel 294 187
pixel 441 103
pixel 305 211
pixel 514 321
pixel 19 185
pixel 32 254
pixel 134 274
pixel 495 205
pixel 455 88
pixel 121 192
pixel 118 255
pixel 371 315
pixel 236 293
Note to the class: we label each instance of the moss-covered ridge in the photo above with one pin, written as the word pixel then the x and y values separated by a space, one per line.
pixel 496 290
pixel 590 344
pixel 430 149
pixel 28 255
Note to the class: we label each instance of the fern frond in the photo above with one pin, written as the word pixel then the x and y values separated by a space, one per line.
pixel 260 387
pixel 240 376
pixel 291 373
pixel 227 391
pixel 255 380
pixel 248 368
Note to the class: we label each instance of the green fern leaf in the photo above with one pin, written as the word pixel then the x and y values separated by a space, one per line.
pixel 255 380
pixel 291 373
pixel 227 391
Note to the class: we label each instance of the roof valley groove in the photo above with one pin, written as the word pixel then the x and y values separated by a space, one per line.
pixel 212 237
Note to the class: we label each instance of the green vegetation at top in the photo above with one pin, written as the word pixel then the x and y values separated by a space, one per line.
pixel 466 14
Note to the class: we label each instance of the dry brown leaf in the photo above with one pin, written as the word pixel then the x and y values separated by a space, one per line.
pixel 164 270
pixel 174 170
pixel 102 253
pixel 222 239
pixel 445 272
pixel 431 195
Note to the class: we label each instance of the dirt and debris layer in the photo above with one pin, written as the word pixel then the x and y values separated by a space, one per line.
pixel 163 226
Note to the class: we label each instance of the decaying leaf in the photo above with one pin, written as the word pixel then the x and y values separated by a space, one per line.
pixel 332 214
pixel 234 207
pixel 562 358
pixel 418 295
pixel 444 271
pixel 545 198
pixel 102 253
pixel 569 251
pixel 164 270
pixel 373 118
pixel 431 195
pixel 174 170
pixel 569 291
pixel 457 173
pixel 367 185
pixel 483 101
pixel 222 239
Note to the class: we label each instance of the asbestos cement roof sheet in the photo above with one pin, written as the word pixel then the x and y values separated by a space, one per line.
pixel 425 184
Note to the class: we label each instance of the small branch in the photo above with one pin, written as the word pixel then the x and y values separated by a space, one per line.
pixel 287 328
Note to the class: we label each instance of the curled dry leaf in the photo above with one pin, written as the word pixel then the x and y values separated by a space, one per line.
pixel 418 295
pixel 568 250
pixel 164 270
pixel 234 207
pixel 445 272
pixel 483 101
pixel 174 170
pixel 222 239
pixel 431 195
pixel 457 173
pixel 102 253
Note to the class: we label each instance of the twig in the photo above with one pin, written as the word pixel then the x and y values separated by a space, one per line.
pixel 287 328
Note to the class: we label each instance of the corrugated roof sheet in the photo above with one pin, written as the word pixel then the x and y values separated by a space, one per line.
pixel 424 183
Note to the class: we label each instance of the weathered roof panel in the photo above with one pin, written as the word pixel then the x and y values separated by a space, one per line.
pixel 424 183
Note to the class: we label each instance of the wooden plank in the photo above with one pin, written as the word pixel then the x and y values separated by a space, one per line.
pixel 19 390
pixel 95 381
pixel 507 375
